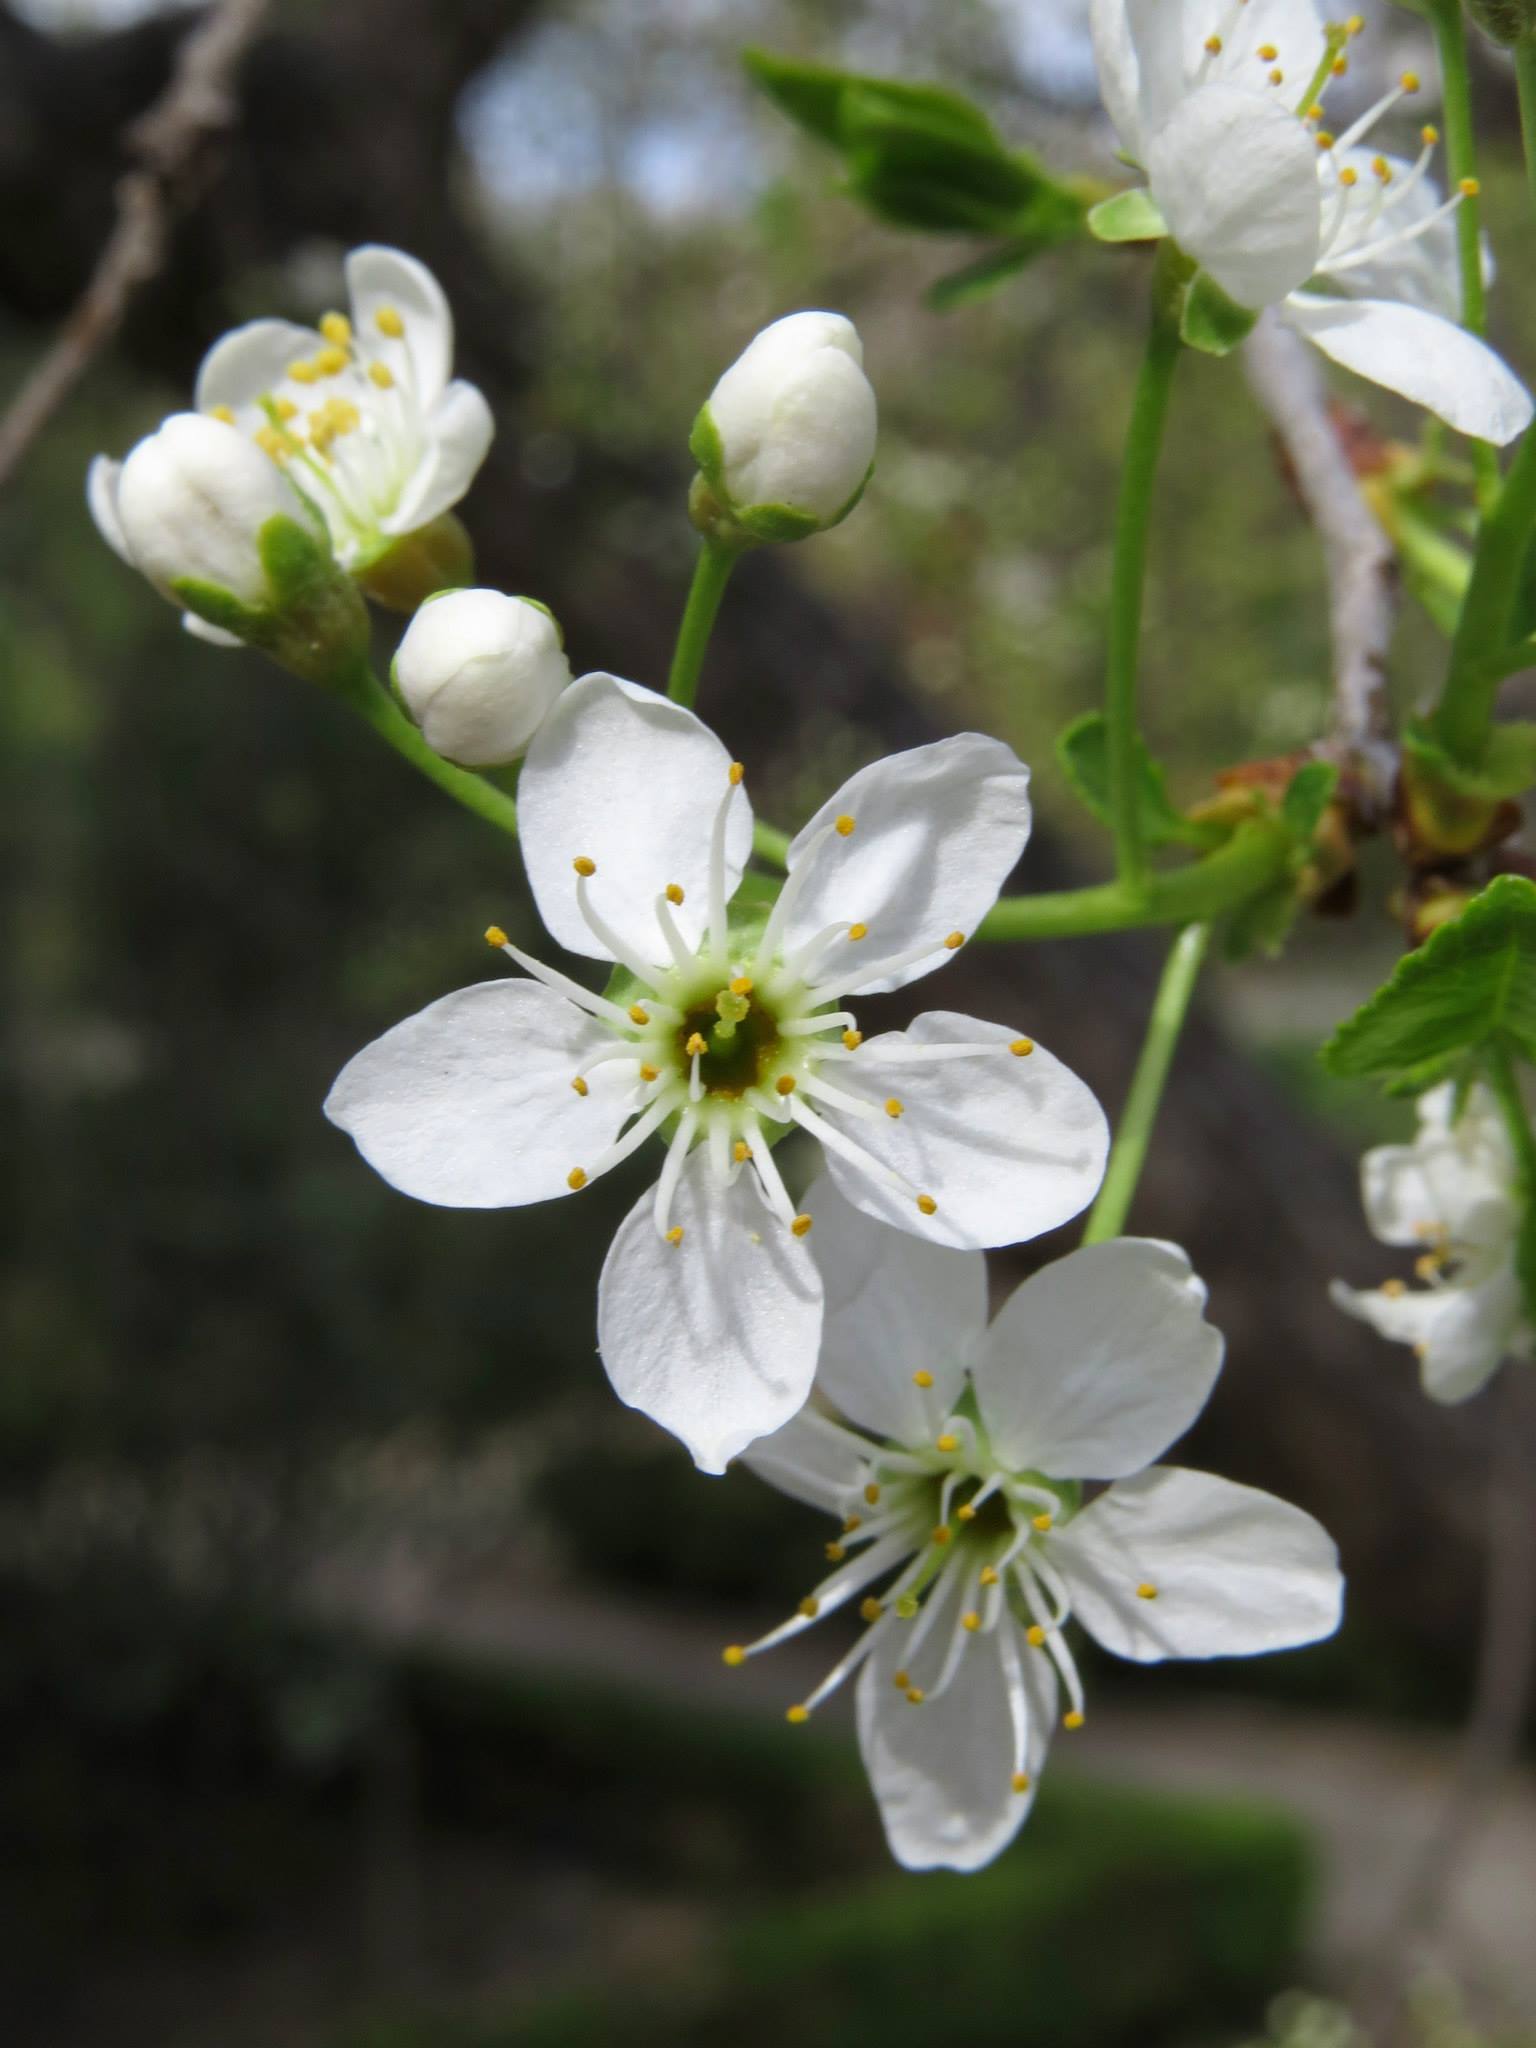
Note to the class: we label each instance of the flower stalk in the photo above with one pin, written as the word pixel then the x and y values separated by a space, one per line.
pixel 1466 709
pixel 711 573
pixel 1129 1152
pixel 362 689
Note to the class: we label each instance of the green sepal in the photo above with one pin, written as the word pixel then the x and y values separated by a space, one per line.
pixel 316 623
pixel 705 446
pixel 1507 769
pixel 1211 321
pixel 1471 984
pixel 779 522
pixel 219 607
pixel 1083 751
pixel 1132 216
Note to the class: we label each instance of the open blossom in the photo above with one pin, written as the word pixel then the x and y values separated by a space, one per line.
pixel 724 1030
pixel 955 1457
pixel 1453 1193
pixel 1222 104
pixel 363 413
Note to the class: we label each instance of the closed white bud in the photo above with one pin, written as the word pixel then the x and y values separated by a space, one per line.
pixel 787 438
pixel 189 504
pixel 478 672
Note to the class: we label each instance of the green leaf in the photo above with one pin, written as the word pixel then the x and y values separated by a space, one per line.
pixel 1132 216
pixel 1307 797
pixel 980 279
pixel 1473 982
pixel 1083 751
pixel 816 95
pixel 1210 321
pixel 1508 766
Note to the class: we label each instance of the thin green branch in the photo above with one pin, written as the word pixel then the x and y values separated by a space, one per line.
pixel 364 692
pixel 1129 1152
pixel 711 573
pixel 1466 709
pixel 1461 164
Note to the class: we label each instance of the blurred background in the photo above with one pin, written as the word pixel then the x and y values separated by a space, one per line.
pixel 359 1655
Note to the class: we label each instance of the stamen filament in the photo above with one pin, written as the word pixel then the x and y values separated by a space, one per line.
pixel 584 998
pixel 671 1170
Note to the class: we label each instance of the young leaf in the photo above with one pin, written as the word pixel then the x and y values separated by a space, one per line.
pixel 1307 796
pixel 1471 984
pixel 1083 751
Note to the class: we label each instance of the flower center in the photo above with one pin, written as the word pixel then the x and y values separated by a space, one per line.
pixel 741 1040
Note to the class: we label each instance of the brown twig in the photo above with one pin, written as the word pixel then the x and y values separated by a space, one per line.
pixel 1361 566
pixel 168 144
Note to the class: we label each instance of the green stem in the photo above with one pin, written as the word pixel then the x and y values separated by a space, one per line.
pixel 1461 163
pixel 1525 82
pixel 770 844
pixel 1466 709
pixel 1129 1152
pixel 711 573
pixel 1506 1088
pixel 1255 858
pixel 367 695
pixel 1143 443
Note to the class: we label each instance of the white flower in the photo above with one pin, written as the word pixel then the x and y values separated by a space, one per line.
pixel 1454 1193
pixel 1220 101
pixel 189 504
pixel 478 672
pixel 725 1030
pixel 955 1456
pixel 362 413
pixel 790 428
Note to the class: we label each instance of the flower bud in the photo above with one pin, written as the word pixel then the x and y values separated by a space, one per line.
pixel 786 440
pixel 189 505
pixel 478 672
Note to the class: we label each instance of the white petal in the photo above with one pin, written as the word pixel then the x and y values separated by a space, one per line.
pixel 1119 72
pixel 214 636
pixel 942 1771
pixel 1423 357
pixel 459 431
pixel 1235 1571
pixel 623 777
pixel 714 1338
pixel 1236 177
pixel 1462 1334
pixel 470 1104
pixel 937 832
pixel 1099 1361
pixel 1007 1147
pixel 251 362
pixel 1455 1178
pixel 893 1308
pixel 379 279
pixel 101 497
pixel 812 1459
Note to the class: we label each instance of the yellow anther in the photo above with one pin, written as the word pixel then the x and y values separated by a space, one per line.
pixel 388 321
pixel 1393 1288
pixel 650 1073
pixel 971 1621
pixel 801 1226
pixel 927 1204
pixel 494 935
pixel 336 327
pixel 871 1493
pixel 852 1522
pixel 1349 175
pixel 1146 1590
pixel 835 1552
pixel 271 442
pixel 285 409
pixel 382 375
pixel 226 413
pixel 988 1575
pixel 1429 135
pixel 943 1534
pixel 785 1084
pixel 1034 1635
pixel 327 362
pixel 742 985
pixel 845 825
pixel 580 1086
pixel 1074 1719
pixel 674 893
pixel 1409 81
pixel 810 1607
pixel 584 867
pixel 738 774
pixel 871 1609
pixel 853 1040
pixel 901 1680
pixel 857 932
pixel 639 1014
pixel 733 1654
pixel 697 1045
pixel 576 1179
pixel 1277 76
pixel 965 1513
pixel 302 373
pixel 675 1235
pixel 796 1715
pixel 342 416
pixel 1213 45
pixel 893 1107
pixel 922 1377
pixel 1042 1522
pixel 741 1151
pixel 1355 25
pixel 1469 188
pixel 954 941
pixel 1382 169
pixel 1020 1781
pixel 1021 1048
pixel 1324 139
pixel 947 1443
pixel 916 1695
pixel 1340 66
pixel 1427 1265
pixel 1268 53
